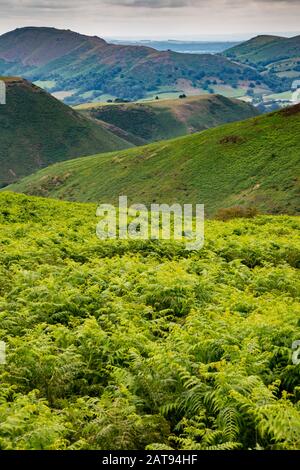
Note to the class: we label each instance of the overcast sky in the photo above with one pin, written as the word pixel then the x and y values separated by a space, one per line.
pixel 155 18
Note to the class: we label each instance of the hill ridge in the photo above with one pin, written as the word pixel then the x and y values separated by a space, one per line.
pixel 162 119
pixel 37 130
pixel 88 64
pixel 254 163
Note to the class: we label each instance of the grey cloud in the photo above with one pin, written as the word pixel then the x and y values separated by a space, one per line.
pixel 145 18
pixel 187 3
pixel 153 4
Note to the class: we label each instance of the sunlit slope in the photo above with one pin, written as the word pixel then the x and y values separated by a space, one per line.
pixel 255 162
pixel 264 50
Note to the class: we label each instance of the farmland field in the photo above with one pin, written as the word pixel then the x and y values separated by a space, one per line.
pixel 142 344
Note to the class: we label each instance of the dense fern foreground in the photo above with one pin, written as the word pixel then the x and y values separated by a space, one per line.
pixel 134 345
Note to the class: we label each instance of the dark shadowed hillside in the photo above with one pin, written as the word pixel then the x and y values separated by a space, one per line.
pixel 165 119
pixel 37 130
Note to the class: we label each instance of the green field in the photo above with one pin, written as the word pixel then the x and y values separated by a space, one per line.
pixel 255 163
pixel 286 95
pixel 229 92
pixel 125 345
pixel 165 95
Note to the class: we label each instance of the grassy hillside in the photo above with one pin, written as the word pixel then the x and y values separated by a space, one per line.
pixel 265 49
pixel 165 119
pixel 254 162
pixel 37 130
pixel 272 53
pixel 254 48
pixel 88 65
pixel 125 345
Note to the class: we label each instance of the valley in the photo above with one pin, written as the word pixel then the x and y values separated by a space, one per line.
pixel 92 68
pixel 134 345
pixel 253 162
pixel 164 119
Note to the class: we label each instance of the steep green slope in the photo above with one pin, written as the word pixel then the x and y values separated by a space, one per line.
pixel 254 162
pixel 124 345
pixel 279 54
pixel 86 64
pixel 37 130
pixel 158 120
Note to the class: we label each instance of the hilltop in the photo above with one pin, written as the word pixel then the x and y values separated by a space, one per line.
pixel 251 47
pixel 37 130
pixel 34 47
pixel 88 67
pixel 255 163
pixel 275 54
pixel 164 119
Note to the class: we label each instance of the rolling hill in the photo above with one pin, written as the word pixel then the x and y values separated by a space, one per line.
pixel 88 66
pixel 275 54
pixel 37 130
pixel 164 119
pixel 254 162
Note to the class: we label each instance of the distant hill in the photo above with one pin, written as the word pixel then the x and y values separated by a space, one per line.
pixel 164 119
pixel 255 162
pixel 37 130
pixel 186 47
pixel 275 54
pixel 34 47
pixel 252 46
pixel 88 66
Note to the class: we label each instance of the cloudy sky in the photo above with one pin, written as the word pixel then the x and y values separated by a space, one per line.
pixel 156 18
